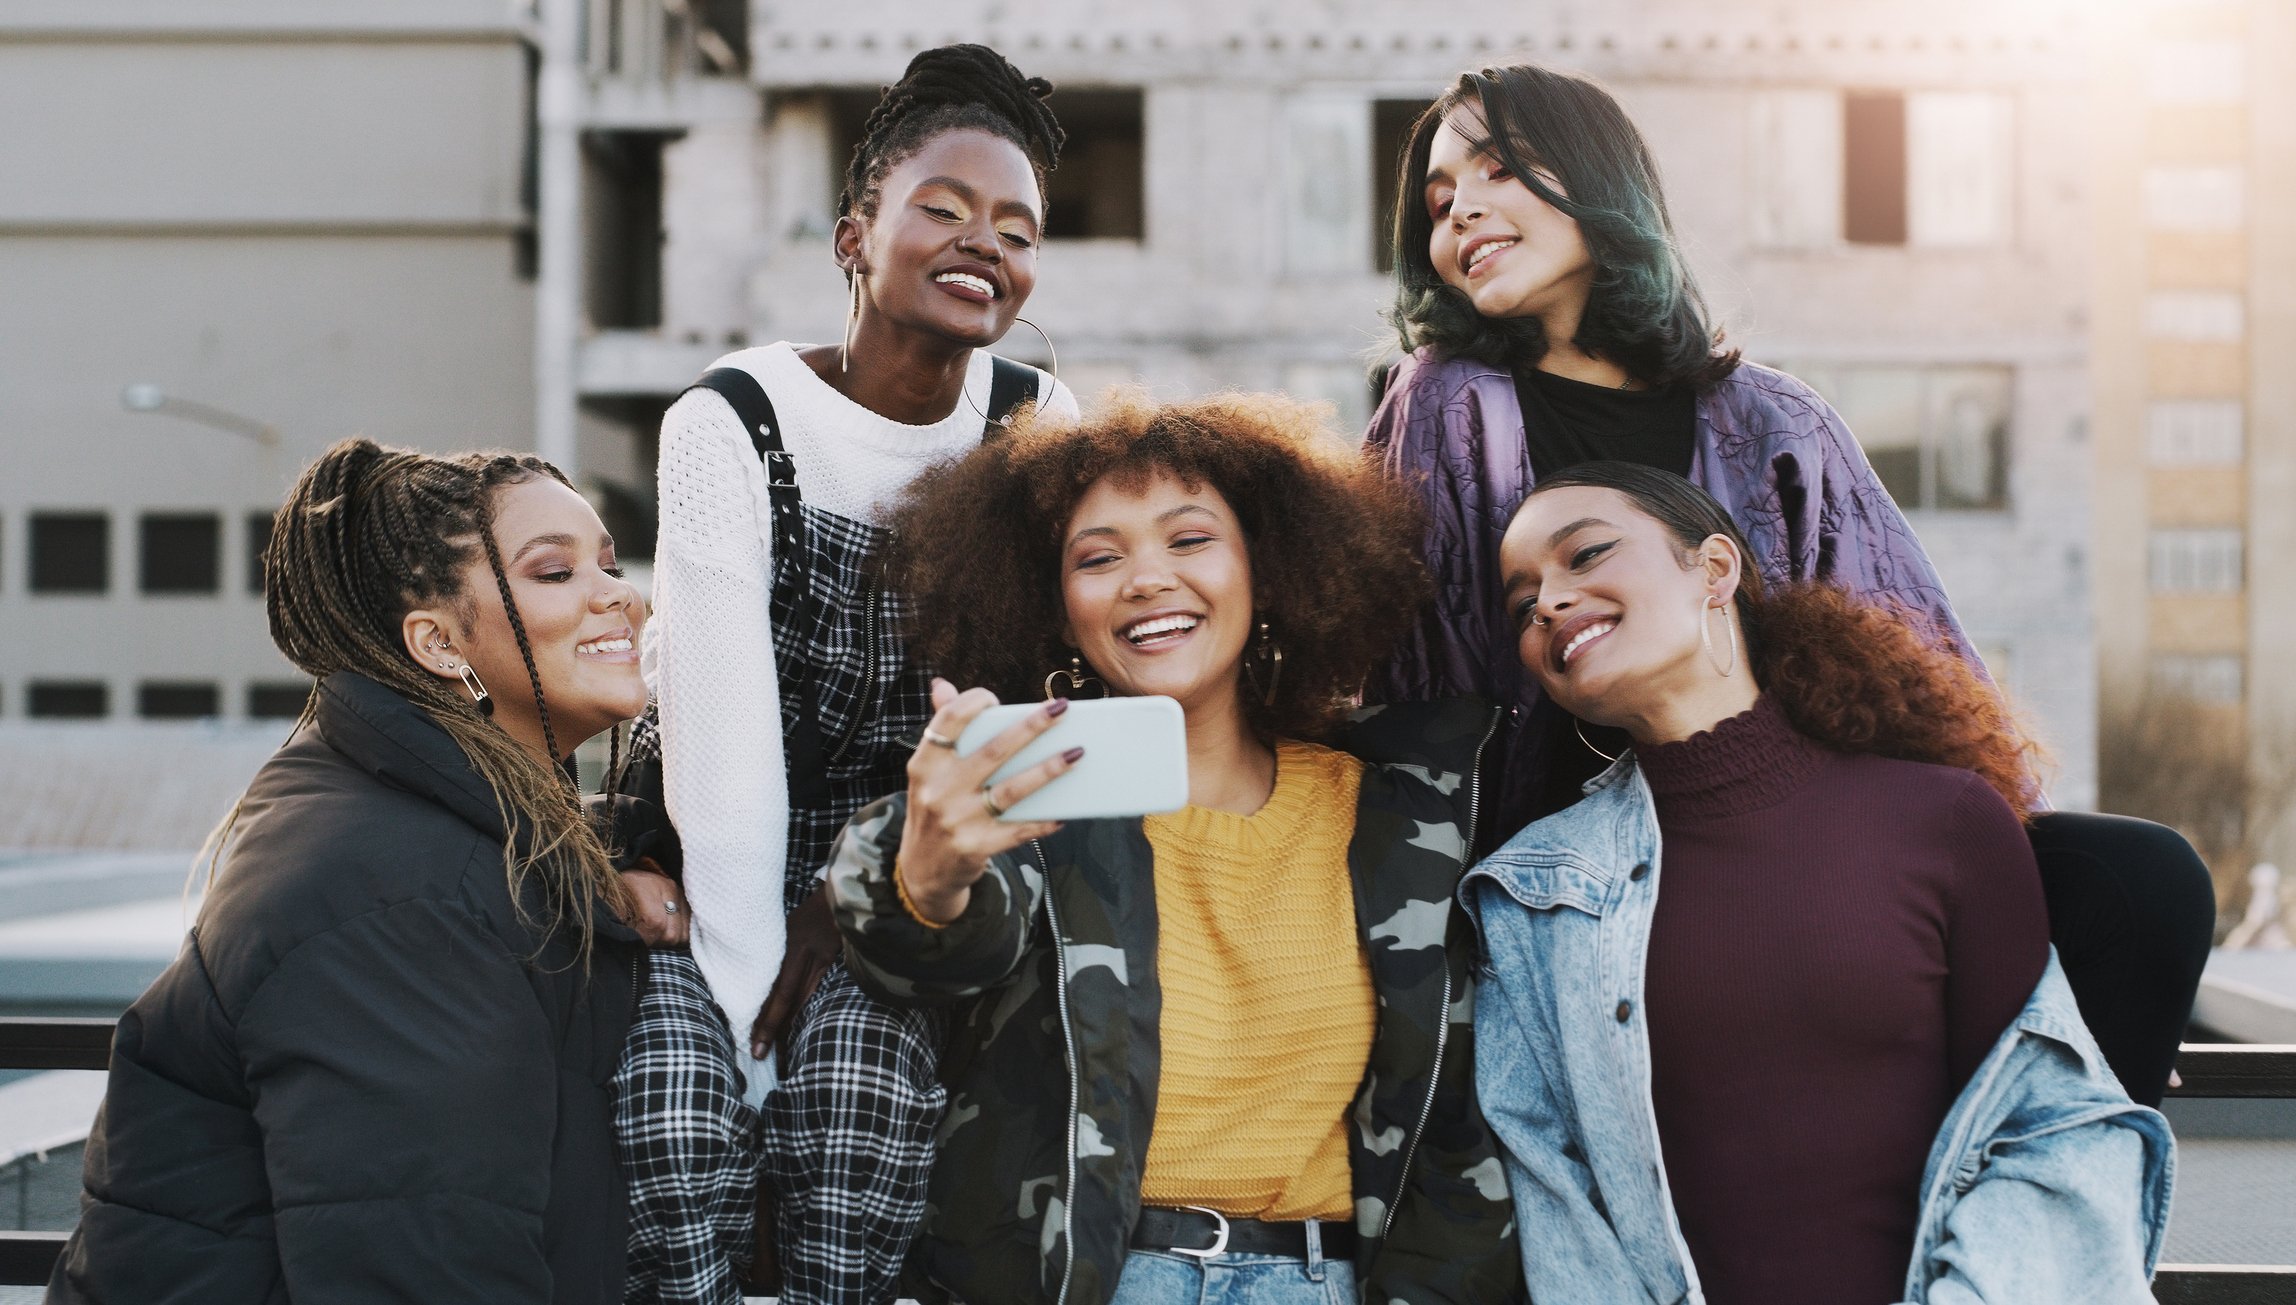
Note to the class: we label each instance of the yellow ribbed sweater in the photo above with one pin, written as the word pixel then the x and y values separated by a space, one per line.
pixel 1268 1006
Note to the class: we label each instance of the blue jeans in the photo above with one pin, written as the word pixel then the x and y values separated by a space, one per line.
pixel 1164 1278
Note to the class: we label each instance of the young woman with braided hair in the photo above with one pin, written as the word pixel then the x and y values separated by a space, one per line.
pixel 787 701
pixel 379 1067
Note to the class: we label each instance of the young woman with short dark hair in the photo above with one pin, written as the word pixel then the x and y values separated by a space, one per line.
pixel 788 700
pixel 1550 319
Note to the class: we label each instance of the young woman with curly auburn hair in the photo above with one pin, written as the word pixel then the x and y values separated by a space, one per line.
pixel 1260 999
pixel 1335 562
pixel 1552 320
pixel 1838 1062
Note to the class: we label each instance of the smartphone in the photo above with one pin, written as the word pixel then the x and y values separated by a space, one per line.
pixel 1135 757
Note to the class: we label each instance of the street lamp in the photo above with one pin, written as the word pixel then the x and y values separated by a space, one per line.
pixel 146 397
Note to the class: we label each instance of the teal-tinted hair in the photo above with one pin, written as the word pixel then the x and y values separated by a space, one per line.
pixel 1644 312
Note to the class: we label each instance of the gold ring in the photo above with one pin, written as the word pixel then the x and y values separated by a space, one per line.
pixel 939 740
pixel 989 800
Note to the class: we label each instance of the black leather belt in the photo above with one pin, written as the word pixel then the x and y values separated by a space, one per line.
pixel 1206 1233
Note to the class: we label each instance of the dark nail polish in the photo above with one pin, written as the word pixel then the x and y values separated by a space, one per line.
pixel 1057 706
pixel 1072 756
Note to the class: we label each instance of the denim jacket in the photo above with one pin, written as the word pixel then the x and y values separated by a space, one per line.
pixel 2045 1184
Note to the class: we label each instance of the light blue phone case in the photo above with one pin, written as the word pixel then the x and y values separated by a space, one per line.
pixel 1135 758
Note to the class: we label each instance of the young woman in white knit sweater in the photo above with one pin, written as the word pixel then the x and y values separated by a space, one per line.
pixel 786 702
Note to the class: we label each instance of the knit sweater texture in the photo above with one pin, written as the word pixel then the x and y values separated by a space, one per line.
pixel 708 650
pixel 1268 1009
pixel 1838 942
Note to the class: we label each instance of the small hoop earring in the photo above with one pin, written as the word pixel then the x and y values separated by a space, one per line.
pixel 1580 726
pixel 1075 674
pixel 852 317
pixel 1706 637
pixel 479 697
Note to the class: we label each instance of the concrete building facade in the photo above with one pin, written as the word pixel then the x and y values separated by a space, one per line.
pixel 1889 199
pixel 288 223
pixel 2196 274
pixel 324 216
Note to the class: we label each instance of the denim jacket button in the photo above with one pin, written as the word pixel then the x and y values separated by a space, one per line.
pixel 1625 1011
pixel 1640 872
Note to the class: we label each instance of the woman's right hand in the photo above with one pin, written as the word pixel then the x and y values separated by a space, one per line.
pixel 951 831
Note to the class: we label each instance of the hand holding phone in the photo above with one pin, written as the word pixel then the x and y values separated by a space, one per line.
pixel 1134 760
pixel 952 827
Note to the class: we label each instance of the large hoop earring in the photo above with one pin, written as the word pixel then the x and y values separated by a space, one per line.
pixel 1051 354
pixel 1580 726
pixel 1075 674
pixel 1706 637
pixel 479 697
pixel 1053 371
pixel 852 317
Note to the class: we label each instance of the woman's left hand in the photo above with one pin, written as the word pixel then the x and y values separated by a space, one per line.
pixel 814 945
pixel 658 906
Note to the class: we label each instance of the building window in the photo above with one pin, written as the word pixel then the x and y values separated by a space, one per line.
pixel 2197 561
pixel 1959 169
pixel 622 230
pixel 2194 432
pixel 1937 436
pixel 277 700
pixel 1873 169
pixel 1930 169
pixel 179 553
pixel 2216 680
pixel 2195 198
pixel 68 699
pixel 172 701
pixel 2196 72
pixel 2200 316
pixel 1099 192
pixel 71 553
pixel 258 543
pixel 1391 123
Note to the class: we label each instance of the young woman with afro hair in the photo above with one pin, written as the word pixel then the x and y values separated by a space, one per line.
pixel 1222 1051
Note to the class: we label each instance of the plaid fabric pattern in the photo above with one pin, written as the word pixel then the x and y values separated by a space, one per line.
pixel 688 1144
pixel 849 1144
pixel 846 1141
pixel 836 628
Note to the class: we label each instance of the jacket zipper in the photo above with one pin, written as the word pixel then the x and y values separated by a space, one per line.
pixel 871 597
pixel 1443 1021
pixel 1068 1053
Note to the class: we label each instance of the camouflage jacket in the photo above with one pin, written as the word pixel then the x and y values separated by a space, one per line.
pixel 1053 1061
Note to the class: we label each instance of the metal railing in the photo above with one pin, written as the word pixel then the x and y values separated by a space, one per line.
pixel 2207 1070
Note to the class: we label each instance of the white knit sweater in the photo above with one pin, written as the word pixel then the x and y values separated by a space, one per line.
pixel 709 647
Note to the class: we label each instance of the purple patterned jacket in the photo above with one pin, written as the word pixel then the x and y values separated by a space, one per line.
pixel 1767 447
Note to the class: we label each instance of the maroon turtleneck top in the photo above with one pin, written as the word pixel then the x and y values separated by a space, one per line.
pixel 1838 942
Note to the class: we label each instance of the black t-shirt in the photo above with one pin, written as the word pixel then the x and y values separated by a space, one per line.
pixel 1567 422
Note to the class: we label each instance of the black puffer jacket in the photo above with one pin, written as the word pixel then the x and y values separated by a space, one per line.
pixel 354 1084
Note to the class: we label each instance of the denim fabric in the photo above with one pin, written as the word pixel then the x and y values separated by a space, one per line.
pixel 1166 1278
pixel 2045 1184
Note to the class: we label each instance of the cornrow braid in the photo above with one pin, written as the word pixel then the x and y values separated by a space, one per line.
pixel 368 534
pixel 953 87
pixel 518 629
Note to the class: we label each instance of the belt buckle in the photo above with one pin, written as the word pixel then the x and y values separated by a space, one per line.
pixel 1219 1237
